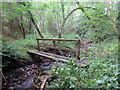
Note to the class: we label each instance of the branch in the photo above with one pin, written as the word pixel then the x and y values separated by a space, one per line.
pixel 82 9
pixel 43 84
pixel 69 15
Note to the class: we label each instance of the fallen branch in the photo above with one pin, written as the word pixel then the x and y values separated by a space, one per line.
pixel 43 84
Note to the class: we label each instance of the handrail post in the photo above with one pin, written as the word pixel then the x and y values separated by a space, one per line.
pixel 54 44
pixel 38 45
pixel 78 50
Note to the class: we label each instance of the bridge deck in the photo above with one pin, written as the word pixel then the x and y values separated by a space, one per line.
pixel 82 63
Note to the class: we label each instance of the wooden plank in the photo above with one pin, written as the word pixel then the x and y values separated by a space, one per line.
pixel 61 58
pixel 48 56
pixel 57 39
pixel 54 44
pixel 38 45
pixel 78 48
pixel 53 55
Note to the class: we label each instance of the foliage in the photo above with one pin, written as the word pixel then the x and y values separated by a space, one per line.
pixel 26 44
pixel 9 51
pixel 100 24
pixel 102 73
pixel 17 49
pixel 49 18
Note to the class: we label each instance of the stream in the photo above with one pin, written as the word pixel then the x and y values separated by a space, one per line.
pixel 26 77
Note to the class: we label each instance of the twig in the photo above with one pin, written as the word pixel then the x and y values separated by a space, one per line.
pixel 3 75
pixel 43 84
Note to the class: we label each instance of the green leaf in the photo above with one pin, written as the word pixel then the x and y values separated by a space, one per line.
pixel 99 81
pixel 72 86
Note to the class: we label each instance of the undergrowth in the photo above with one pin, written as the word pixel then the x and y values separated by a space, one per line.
pixel 101 73
pixel 17 49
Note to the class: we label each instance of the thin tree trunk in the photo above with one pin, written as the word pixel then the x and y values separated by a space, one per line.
pixel 11 26
pixel 42 22
pixel 19 24
pixel 23 29
pixel 63 10
pixel 30 26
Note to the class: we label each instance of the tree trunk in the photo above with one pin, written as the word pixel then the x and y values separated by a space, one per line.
pixel 33 21
pixel 30 26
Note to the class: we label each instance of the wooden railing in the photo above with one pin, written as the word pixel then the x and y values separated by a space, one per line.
pixel 77 50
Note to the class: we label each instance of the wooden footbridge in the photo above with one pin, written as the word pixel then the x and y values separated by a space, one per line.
pixel 60 57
